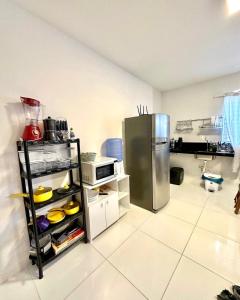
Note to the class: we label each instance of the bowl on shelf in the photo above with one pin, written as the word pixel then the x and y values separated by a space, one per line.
pixel 36 166
pixel 55 216
pixel 92 195
pixel 34 155
pixel 88 156
pixel 51 165
pixel 63 163
pixel 70 208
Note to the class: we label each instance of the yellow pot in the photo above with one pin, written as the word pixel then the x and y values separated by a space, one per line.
pixel 41 194
pixel 70 208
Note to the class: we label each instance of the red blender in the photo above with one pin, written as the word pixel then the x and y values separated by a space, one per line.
pixel 31 109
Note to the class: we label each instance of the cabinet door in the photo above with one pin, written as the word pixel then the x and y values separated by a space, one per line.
pixel 97 218
pixel 112 210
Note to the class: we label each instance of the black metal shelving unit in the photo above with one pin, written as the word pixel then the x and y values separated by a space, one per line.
pixel 31 207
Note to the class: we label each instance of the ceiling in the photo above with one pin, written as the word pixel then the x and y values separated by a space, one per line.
pixel 168 44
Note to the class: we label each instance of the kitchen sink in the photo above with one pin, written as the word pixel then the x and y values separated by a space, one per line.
pixel 224 151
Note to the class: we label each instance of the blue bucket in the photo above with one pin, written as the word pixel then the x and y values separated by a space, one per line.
pixel 114 148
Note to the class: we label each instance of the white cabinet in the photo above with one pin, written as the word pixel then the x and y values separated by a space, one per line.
pixel 102 214
pixel 112 210
pixel 103 210
pixel 97 219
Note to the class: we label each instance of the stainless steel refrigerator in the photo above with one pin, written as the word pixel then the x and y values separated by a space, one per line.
pixel 147 160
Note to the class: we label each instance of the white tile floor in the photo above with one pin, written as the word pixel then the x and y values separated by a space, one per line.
pixel 189 250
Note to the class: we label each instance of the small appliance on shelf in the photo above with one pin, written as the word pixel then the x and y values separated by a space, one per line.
pixel 50 133
pixel 94 172
pixel 32 130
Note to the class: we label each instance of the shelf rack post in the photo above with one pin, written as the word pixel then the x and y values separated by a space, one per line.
pixel 34 219
pixel 81 187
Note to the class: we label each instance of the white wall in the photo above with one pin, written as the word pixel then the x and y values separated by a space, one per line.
pixel 72 81
pixel 196 101
pixel 157 101
pixel 193 102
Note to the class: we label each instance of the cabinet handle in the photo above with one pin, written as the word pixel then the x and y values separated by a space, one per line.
pixel 101 204
pixel 107 202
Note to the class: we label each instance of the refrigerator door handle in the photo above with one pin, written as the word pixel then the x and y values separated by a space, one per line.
pixel 160 140
pixel 160 143
pixel 159 146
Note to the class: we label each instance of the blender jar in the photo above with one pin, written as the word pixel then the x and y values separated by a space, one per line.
pixel 31 109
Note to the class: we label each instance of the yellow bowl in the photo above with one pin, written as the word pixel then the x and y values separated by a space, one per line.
pixel 55 216
pixel 71 208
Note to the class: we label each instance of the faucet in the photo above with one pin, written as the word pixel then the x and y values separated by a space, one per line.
pixel 206 140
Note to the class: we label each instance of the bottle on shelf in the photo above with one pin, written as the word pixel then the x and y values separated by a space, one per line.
pixel 71 134
pixel 172 143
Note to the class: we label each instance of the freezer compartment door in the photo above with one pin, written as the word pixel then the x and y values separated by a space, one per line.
pixel 160 168
pixel 160 126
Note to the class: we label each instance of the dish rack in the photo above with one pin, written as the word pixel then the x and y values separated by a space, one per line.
pixel 31 168
pixel 215 122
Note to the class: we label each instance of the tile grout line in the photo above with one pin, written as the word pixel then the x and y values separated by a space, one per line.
pixel 106 259
pixel 161 242
pixel 178 218
pixel 30 272
pixel 39 296
pixel 195 227
pixel 84 279
pixel 190 203
pixel 216 211
pixel 88 274
pixel 127 279
pixel 137 228
pixel 184 249
pixel 182 255
pixel 220 235
pixel 213 272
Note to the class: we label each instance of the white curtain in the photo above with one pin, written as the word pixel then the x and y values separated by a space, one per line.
pixel 231 126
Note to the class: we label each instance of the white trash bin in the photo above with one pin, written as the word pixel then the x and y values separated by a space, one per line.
pixel 212 181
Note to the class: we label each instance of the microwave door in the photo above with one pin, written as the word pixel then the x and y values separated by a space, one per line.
pixel 104 172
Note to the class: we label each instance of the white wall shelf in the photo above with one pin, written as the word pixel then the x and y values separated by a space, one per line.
pixel 122 195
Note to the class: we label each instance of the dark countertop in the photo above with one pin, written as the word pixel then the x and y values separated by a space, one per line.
pixel 199 148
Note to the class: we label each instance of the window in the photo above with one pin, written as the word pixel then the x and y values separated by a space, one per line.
pixel 225 135
pixel 231 127
pixel 231 120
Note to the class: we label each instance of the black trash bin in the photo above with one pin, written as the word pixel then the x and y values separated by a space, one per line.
pixel 176 175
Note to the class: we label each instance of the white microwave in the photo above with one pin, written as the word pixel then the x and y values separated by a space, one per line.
pixel 94 172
